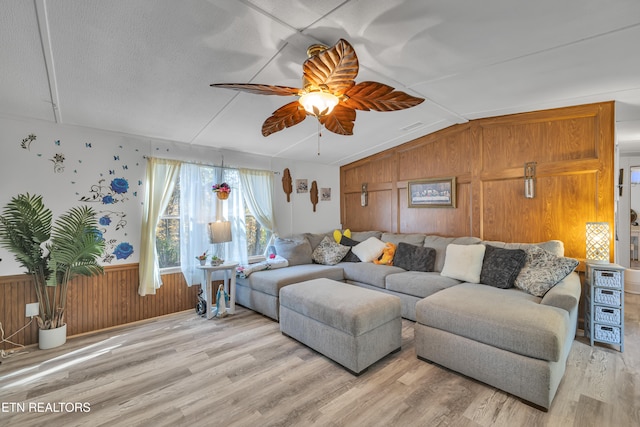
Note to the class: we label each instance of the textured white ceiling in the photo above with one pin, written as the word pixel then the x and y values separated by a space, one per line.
pixel 144 67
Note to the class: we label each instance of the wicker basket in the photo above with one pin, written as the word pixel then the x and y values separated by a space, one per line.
pixel 222 195
pixel 607 333
pixel 607 296
pixel 608 279
pixel 607 315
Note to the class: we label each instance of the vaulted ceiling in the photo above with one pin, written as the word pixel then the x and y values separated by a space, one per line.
pixel 143 67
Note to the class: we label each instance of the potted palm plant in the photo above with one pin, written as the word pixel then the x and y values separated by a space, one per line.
pixel 53 254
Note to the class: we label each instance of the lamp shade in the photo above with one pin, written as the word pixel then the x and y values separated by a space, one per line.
pixel 220 231
pixel 598 242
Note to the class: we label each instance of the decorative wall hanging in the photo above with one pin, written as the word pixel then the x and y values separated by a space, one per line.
pixel 325 194
pixel 432 193
pixel 314 194
pixel 286 183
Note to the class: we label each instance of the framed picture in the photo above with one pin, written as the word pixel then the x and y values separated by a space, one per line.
pixel 325 194
pixel 302 186
pixel 432 193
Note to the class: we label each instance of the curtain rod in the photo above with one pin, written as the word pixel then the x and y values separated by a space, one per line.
pixel 193 162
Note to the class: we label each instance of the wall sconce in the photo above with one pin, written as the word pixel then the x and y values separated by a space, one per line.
pixel 364 195
pixel 598 242
pixel 530 180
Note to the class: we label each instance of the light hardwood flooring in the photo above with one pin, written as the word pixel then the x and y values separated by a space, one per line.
pixel 241 371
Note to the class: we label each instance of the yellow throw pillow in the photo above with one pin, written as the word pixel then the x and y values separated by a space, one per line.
pixel 337 235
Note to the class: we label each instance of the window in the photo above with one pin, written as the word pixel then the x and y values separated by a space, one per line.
pixel 168 232
pixel 168 229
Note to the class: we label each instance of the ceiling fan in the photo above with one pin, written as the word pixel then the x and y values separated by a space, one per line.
pixel 329 92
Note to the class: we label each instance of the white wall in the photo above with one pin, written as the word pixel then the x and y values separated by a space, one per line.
pixel 70 166
pixel 297 216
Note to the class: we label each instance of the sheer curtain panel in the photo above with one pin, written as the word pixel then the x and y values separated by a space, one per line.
pixel 259 195
pixel 160 180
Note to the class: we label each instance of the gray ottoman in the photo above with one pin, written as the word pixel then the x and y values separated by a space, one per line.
pixel 353 326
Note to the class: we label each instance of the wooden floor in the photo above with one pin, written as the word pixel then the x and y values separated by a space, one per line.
pixel 241 371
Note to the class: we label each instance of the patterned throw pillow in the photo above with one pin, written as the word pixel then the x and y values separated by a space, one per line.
pixel 414 258
pixel 329 252
pixel 501 267
pixel 543 271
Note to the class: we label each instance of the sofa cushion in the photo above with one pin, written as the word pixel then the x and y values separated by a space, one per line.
pixel 440 245
pixel 361 236
pixel 501 266
pixel 297 250
pixel 414 258
pixel 542 271
pixel 556 247
pixel 350 256
pixel 315 239
pixel 329 252
pixel 368 273
pixel 417 283
pixel 369 250
pixel 396 238
pixel 520 324
pixel 464 262
pixel 270 281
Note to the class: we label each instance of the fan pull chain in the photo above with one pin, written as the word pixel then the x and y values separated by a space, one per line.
pixel 319 135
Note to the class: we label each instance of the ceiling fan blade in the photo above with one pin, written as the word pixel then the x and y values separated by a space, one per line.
pixel 379 97
pixel 259 89
pixel 335 67
pixel 340 121
pixel 284 117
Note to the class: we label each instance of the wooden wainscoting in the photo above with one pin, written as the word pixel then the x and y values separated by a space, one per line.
pixel 95 303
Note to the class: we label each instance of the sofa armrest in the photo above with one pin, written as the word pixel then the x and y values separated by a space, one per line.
pixel 566 294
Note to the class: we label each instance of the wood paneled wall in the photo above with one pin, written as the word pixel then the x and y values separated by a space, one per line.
pixel 95 303
pixel 574 151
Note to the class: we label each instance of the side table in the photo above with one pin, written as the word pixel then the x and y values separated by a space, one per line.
pixel 229 269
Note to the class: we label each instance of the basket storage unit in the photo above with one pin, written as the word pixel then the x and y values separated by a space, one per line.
pixel 604 304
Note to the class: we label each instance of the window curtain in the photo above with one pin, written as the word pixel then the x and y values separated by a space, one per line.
pixel 199 206
pixel 160 181
pixel 259 196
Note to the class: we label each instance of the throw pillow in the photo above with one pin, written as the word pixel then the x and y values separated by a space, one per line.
pixel 350 256
pixel 337 234
pixel 329 252
pixel 369 250
pixel 501 266
pixel 414 258
pixel 296 250
pixel 463 262
pixel 542 271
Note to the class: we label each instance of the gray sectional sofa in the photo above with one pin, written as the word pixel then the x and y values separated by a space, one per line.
pixel 507 338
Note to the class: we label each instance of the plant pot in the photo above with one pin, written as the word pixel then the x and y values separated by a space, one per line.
pixel 51 338
pixel 222 195
pixel 202 261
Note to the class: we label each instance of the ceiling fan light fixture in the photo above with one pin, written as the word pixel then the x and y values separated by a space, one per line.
pixel 318 103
